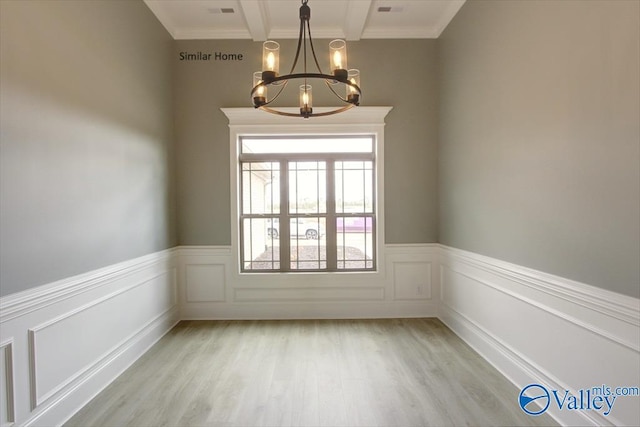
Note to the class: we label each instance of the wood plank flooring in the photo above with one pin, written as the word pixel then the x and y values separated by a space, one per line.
pixel 398 372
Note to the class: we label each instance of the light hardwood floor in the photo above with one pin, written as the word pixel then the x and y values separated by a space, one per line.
pixel 398 372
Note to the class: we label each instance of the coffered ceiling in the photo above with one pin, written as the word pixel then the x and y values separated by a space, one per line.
pixel 278 19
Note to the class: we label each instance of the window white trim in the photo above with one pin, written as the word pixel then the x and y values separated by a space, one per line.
pixel 357 121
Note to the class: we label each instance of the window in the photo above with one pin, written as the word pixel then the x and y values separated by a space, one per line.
pixel 308 200
pixel 247 125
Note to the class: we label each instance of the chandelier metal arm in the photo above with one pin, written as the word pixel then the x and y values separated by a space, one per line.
pixel 304 47
pixel 313 51
pixel 295 60
pixel 326 82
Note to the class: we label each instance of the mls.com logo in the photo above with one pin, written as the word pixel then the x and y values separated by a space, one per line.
pixel 534 399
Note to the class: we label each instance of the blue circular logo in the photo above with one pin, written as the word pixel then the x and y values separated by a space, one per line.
pixel 533 397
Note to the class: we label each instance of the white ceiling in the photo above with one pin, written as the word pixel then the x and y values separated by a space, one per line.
pixel 279 19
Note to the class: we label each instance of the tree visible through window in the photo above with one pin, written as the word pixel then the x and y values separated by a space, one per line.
pixel 309 201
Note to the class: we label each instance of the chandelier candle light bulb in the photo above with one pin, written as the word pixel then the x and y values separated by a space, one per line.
pixel 260 95
pixel 338 58
pixel 306 101
pixel 270 60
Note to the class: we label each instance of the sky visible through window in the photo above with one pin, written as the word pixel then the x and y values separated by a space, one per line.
pixel 350 187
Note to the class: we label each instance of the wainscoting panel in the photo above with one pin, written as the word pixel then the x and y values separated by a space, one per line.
pixel 7 399
pixel 73 337
pixel 410 270
pixel 205 282
pixel 98 327
pixel 401 288
pixel 412 280
pixel 539 328
pixel 316 294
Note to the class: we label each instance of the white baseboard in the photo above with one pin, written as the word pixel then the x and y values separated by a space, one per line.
pixel 539 328
pixel 64 342
pixel 533 327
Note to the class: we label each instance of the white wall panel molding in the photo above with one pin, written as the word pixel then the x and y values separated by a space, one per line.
pixel 73 337
pixel 410 271
pixel 7 390
pixel 539 328
pixel 61 348
pixel 205 283
pixel 203 273
pixel 55 342
pixel 61 406
pixel 397 290
pixel 623 334
pixel 329 293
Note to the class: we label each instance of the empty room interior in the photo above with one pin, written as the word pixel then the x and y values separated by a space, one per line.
pixel 319 212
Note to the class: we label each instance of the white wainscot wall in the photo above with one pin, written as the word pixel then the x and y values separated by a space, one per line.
pixel 539 328
pixel 212 288
pixel 62 343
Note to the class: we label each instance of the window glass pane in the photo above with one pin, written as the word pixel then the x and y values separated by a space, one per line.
pixel 260 188
pixel 355 242
pixel 308 245
pixel 261 249
pixel 307 187
pixel 354 187
pixel 307 145
pixel 305 195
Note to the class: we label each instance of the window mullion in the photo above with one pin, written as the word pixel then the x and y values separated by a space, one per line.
pixel 285 239
pixel 374 220
pixel 332 244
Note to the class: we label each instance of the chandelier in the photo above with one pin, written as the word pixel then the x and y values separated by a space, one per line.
pixel 341 79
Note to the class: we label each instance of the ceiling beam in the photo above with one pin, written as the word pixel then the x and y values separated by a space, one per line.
pixel 255 12
pixel 356 18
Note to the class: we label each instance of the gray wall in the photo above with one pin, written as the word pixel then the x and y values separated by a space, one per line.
pixel 400 73
pixel 86 138
pixel 539 137
pixel 538 111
